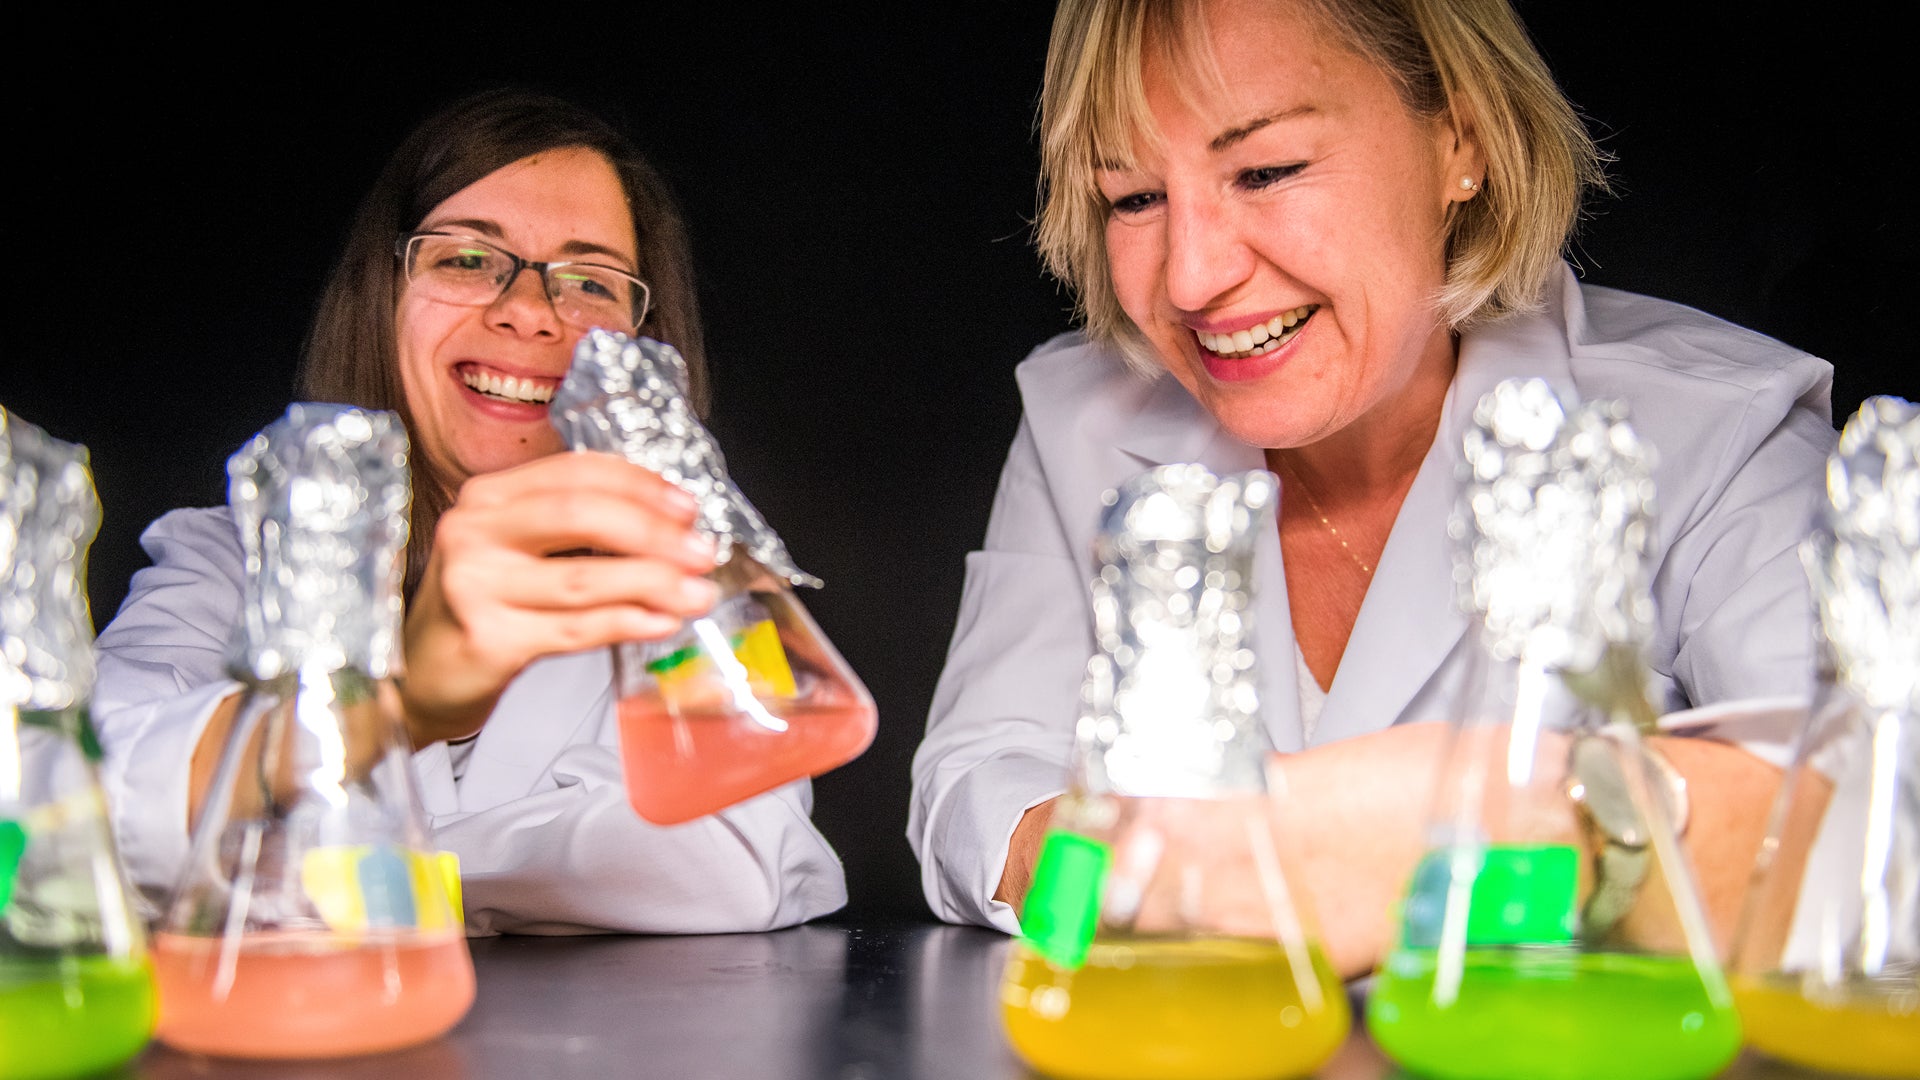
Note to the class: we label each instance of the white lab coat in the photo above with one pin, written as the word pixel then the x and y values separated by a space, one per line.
pixel 1741 425
pixel 540 821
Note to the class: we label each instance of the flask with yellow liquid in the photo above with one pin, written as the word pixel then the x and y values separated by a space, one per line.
pixel 76 983
pixel 750 695
pixel 1161 939
pixel 1553 930
pixel 1826 959
pixel 313 919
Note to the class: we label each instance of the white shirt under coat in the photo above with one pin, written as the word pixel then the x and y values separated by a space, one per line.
pixel 1741 425
pixel 538 816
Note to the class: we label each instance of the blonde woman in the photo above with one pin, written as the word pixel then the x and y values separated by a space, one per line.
pixel 1306 235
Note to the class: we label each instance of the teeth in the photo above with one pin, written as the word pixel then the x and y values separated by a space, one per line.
pixel 527 391
pixel 1256 340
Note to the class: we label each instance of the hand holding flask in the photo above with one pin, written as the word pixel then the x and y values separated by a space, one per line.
pixel 751 695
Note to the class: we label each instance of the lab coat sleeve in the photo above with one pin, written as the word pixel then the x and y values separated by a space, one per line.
pixel 161 675
pixel 574 858
pixel 563 853
pixel 1736 608
pixel 1001 724
pixel 1740 427
pixel 1745 617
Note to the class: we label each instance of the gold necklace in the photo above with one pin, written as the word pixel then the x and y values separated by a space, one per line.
pixel 1332 530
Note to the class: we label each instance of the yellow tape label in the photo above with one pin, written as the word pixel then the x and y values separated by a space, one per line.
pixel 363 886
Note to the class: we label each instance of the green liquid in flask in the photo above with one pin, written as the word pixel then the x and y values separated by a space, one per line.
pixel 1552 1014
pixel 72 1016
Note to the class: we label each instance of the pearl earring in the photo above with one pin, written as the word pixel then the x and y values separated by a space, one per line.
pixel 1467 184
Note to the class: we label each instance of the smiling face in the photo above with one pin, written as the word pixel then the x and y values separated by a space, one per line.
pixel 478 379
pixel 1282 243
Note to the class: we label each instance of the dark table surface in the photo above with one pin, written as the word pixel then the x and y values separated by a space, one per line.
pixel 819 1002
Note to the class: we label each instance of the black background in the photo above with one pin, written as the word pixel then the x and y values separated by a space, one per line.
pixel 859 182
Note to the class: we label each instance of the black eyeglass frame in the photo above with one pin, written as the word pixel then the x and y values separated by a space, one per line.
pixel 402 249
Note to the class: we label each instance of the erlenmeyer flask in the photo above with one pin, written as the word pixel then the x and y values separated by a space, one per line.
pixel 312 919
pixel 751 695
pixel 1552 930
pixel 76 986
pixel 1826 960
pixel 1160 939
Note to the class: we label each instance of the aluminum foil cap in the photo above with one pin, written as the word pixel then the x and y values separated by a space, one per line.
pixel 1863 556
pixel 628 396
pixel 48 516
pixel 320 499
pixel 1169 704
pixel 1554 523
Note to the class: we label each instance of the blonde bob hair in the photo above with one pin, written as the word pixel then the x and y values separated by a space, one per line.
pixel 1469 63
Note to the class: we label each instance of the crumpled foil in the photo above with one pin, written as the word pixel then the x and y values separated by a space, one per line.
pixel 1554 523
pixel 320 499
pixel 1863 556
pixel 48 515
pixel 628 396
pixel 1169 703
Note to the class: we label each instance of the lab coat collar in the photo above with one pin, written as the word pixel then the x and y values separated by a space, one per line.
pixel 1169 427
pixel 1410 621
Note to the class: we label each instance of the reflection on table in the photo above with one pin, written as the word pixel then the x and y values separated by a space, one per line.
pixel 821 1002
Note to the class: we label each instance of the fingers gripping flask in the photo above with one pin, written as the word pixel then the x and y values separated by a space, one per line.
pixel 1553 930
pixel 1826 959
pixel 1160 939
pixel 751 695
pixel 312 919
pixel 76 986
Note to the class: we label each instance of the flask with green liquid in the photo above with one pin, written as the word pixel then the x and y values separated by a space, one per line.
pixel 1552 930
pixel 76 985
pixel 1161 939
pixel 1826 959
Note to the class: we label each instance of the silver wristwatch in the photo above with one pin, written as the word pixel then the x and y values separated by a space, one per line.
pixel 1621 838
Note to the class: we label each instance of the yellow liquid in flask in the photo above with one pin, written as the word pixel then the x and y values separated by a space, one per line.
pixel 1147 1009
pixel 1865 1029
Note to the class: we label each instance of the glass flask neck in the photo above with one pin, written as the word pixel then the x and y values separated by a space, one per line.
pixel 304 738
pixel 28 735
pixel 739 573
pixel 1526 695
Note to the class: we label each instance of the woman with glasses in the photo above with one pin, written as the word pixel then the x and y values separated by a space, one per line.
pixel 500 232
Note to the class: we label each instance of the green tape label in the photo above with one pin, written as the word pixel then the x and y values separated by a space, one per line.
pixel 1063 905
pixel 13 841
pixel 1521 894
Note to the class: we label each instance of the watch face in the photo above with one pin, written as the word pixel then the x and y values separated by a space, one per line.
pixel 1597 785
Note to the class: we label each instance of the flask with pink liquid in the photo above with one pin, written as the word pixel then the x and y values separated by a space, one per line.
pixel 751 695
pixel 313 918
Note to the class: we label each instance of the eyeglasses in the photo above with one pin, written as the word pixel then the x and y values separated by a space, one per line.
pixel 456 269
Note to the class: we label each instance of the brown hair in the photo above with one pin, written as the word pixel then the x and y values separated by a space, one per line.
pixel 352 353
pixel 1470 61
